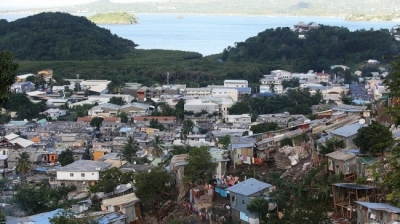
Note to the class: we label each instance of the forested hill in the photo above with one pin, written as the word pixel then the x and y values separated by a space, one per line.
pixel 318 51
pixel 60 36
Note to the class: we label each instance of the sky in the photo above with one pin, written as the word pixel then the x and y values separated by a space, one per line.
pixel 11 4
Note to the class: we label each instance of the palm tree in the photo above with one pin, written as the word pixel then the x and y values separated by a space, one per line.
pixel 23 163
pixel 158 150
pixel 130 149
pixel 272 87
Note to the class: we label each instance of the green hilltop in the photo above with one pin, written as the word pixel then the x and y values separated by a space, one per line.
pixel 60 36
pixel 113 18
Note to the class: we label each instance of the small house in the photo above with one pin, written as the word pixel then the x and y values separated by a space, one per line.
pixel 379 213
pixel 126 204
pixel 342 162
pixel 241 194
pixel 345 196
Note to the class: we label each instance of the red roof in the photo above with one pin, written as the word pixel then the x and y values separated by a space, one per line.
pixel 106 119
pixel 160 118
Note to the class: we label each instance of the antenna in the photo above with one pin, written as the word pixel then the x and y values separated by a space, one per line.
pixel 168 78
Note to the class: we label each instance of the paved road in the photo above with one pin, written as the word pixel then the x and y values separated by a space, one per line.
pixel 359 92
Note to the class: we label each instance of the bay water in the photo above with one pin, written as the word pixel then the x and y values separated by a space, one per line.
pixel 209 33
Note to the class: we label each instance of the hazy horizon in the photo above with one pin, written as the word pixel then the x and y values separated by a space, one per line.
pixel 25 4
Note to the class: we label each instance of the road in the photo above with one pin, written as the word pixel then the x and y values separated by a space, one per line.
pixel 360 93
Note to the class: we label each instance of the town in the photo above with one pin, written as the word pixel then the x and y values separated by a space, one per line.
pixel 128 153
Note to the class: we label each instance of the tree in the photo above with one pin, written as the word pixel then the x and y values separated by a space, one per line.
pixel 259 206
pixel 117 100
pixel 8 68
pixel 392 83
pixel 200 165
pixel 158 150
pixel 152 186
pixel 96 122
pixel 264 127
pixel 225 141
pixel 23 163
pixel 286 141
pixel 154 123
pixel 34 199
pixel 3 219
pixel 374 138
pixel 130 149
pixel 24 107
pixel 124 117
pixel 67 217
pixel 110 179
pixel 330 145
pixel 66 157
pixel 345 98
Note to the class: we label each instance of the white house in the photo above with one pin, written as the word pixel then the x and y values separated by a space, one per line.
pixel 55 113
pixel 236 83
pixel 81 173
pixel 373 62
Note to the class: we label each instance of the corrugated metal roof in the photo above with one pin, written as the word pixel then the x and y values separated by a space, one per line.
pixel 379 206
pixel 353 186
pixel 249 187
pixel 348 130
pixel 341 155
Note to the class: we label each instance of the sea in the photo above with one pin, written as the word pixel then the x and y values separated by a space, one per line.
pixel 209 33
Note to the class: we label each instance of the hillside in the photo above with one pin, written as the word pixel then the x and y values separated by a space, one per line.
pixel 60 36
pixel 318 51
pixel 113 18
pixel 339 8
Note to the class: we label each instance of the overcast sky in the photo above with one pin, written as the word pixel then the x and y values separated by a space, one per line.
pixel 53 3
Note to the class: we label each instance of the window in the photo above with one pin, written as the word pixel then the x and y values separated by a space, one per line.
pixel 82 175
pixel 71 174
pixel 92 173
pixel 242 201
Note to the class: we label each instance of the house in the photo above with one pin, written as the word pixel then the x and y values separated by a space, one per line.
pixel 342 162
pixel 238 119
pixel 81 173
pixel 347 134
pixel 322 77
pixel 145 120
pixel 55 113
pixel 345 196
pixel 177 166
pixel 22 87
pixel 119 143
pixel 222 158
pixel 198 92
pixel 126 204
pixel 3 165
pixel 226 92
pixel 106 109
pixel 242 150
pixel 236 83
pixel 379 213
pixel 46 73
pixel 372 62
pixel 240 196
pixel 135 108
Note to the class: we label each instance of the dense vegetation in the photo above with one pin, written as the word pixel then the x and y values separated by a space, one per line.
pixel 113 18
pixel 318 51
pixel 60 36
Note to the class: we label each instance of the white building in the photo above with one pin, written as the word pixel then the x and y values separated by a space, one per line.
pixel 236 83
pixel 55 113
pixel 281 74
pixel 209 104
pixel 198 92
pixel 81 173
pixel 278 89
pixel 226 92
pixel 238 119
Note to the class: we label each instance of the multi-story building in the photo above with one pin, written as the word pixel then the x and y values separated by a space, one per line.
pixel 236 83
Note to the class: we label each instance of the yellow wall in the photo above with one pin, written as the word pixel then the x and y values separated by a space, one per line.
pixel 97 154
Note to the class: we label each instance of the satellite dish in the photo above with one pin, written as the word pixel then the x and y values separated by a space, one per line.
pixel 250 133
pixel 361 121
pixel 128 185
pixel 118 186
